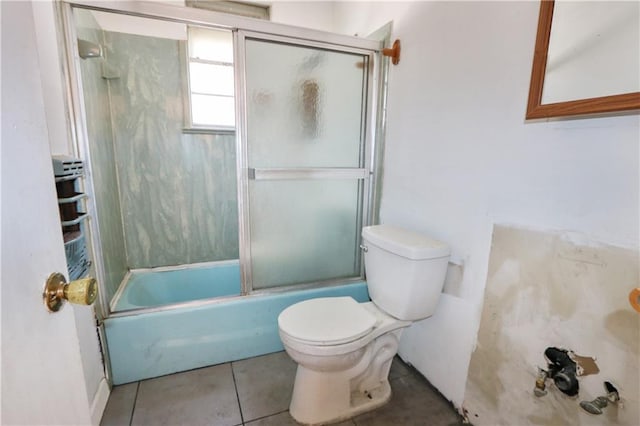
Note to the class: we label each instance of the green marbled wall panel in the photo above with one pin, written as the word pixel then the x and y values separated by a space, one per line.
pixel 177 191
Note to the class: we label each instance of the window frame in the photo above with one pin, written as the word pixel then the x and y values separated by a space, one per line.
pixel 185 57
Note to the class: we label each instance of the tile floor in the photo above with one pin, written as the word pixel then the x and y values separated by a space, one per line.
pixel 256 392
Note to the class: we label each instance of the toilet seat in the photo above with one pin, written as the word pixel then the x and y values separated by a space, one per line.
pixel 326 321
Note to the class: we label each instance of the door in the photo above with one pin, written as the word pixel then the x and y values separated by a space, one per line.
pixel 43 381
pixel 306 156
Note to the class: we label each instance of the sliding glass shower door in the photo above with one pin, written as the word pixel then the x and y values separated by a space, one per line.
pixel 307 160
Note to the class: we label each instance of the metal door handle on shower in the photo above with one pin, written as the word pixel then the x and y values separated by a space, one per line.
pixel 307 173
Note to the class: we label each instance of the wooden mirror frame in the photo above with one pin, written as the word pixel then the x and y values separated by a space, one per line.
pixel 535 108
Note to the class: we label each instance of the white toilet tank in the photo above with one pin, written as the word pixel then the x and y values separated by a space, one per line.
pixel 405 270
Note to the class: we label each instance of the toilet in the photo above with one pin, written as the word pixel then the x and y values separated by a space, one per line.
pixel 344 348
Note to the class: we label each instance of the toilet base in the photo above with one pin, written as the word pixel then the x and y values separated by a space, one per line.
pixel 325 397
pixel 363 402
pixel 360 402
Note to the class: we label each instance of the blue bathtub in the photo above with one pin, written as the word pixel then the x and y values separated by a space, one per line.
pixel 152 344
pixel 147 288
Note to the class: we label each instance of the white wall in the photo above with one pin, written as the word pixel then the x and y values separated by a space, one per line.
pixel 460 156
pixel 317 15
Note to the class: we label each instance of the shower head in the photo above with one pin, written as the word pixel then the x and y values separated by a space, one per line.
pixel 87 49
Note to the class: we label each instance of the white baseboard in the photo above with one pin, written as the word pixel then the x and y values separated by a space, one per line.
pixel 99 402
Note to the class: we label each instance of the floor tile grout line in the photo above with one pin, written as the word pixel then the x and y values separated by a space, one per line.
pixel 235 386
pixel 269 415
pixel 135 400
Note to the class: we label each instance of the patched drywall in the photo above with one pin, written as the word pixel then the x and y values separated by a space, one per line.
pixel 544 290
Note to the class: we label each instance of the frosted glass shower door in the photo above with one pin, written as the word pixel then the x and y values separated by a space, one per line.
pixel 306 157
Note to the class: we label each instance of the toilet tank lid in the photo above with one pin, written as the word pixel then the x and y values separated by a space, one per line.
pixel 405 243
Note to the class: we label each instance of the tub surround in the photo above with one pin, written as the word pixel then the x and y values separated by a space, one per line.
pixel 164 197
pixel 178 191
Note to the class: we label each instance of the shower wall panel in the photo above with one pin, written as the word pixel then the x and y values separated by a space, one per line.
pixel 178 191
pixel 100 136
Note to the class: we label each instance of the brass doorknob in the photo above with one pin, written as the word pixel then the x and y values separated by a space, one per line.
pixel 80 292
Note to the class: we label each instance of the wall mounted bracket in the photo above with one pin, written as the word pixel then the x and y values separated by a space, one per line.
pixel 393 52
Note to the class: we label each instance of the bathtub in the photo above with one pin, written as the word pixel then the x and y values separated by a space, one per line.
pixel 197 333
pixel 146 288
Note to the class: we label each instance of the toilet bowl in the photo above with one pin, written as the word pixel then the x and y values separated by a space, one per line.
pixel 344 348
pixel 342 370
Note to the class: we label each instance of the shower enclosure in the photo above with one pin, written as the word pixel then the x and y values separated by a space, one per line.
pixel 227 157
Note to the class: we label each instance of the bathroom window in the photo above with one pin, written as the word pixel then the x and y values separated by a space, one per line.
pixel 210 103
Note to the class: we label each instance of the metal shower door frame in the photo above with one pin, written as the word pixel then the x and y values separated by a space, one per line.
pixel 241 28
pixel 364 173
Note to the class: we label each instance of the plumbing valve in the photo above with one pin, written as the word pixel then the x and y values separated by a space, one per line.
pixel 596 406
pixel 541 385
